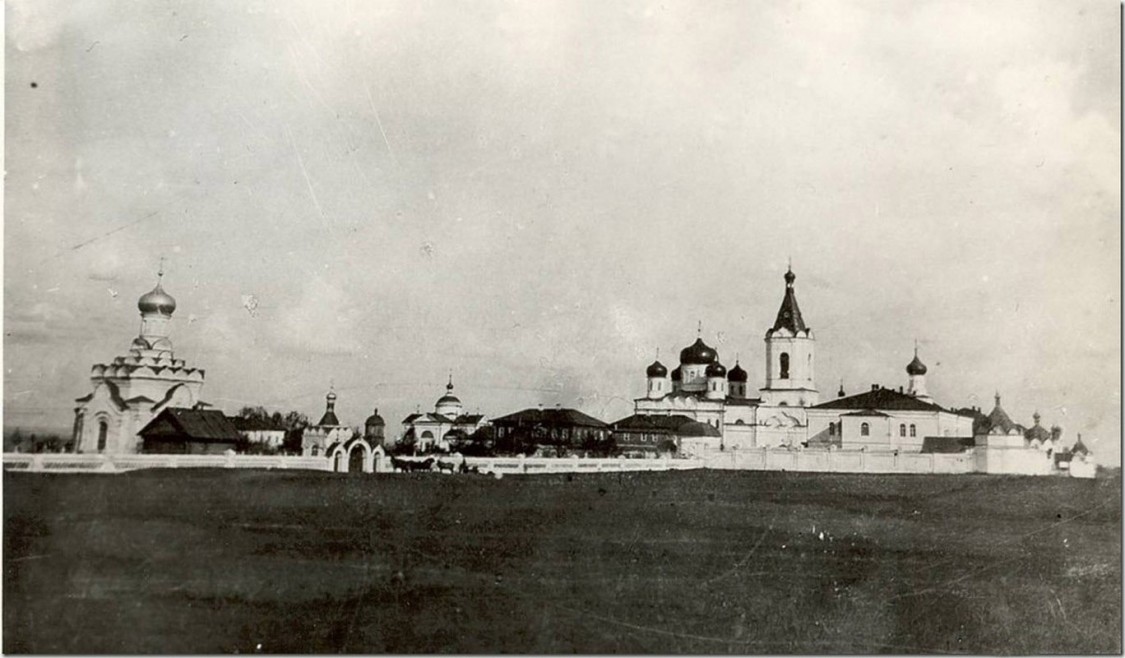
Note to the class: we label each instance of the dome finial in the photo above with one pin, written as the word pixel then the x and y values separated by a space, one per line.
pixel 699 329
pixel 789 276
pixel 160 272
pixel 449 386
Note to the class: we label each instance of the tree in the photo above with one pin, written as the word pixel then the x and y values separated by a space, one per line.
pixel 293 422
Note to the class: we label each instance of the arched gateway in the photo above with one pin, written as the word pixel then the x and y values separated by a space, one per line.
pixel 356 456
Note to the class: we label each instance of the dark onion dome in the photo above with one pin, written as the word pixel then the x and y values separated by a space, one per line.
pixel 657 369
pixel 737 374
pixel 157 301
pixel 374 419
pixel 716 370
pixel 678 374
pixel 916 367
pixel 698 354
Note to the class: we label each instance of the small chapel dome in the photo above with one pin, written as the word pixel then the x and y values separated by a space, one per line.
pixel 916 367
pixel 657 369
pixel 698 353
pixel 449 397
pixel 374 420
pixel 716 370
pixel 737 374
pixel 157 301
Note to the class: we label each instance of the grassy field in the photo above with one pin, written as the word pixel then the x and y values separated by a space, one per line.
pixel 190 561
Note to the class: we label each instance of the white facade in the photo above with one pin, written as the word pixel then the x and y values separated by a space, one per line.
pixel 133 389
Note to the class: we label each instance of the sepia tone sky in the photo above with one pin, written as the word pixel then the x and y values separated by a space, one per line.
pixel 538 195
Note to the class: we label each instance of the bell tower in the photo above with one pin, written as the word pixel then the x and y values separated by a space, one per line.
pixel 790 355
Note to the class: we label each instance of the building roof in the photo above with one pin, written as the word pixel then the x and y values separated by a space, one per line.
pixel 881 398
pixel 1037 433
pixel 866 412
pixel 192 424
pixel 564 417
pixel 789 315
pixel 998 419
pixel 737 374
pixel 1079 447
pixel 329 418
pixel 664 424
pixel 657 369
pixel 374 419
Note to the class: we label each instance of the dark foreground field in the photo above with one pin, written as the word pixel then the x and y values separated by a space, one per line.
pixel 196 561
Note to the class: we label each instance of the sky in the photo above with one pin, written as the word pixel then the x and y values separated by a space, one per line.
pixel 538 196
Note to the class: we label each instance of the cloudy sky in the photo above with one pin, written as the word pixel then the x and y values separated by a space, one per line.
pixel 540 195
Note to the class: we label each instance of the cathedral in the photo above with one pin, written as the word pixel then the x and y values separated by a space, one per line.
pixel 703 389
pixel 787 411
pixel 133 389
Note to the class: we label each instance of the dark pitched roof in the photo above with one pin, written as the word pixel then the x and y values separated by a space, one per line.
pixel 468 419
pixel 329 418
pixel 789 315
pixel 651 422
pixel 884 399
pixel 999 419
pixel 194 424
pixel 564 417
pixel 866 412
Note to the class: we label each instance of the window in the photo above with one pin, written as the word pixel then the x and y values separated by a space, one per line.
pixel 864 430
pixel 831 429
pixel 902 430
pixel 103 430
pixel 912 430
pixel 785 365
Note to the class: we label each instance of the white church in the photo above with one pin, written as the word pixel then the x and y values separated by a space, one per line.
pixel 130 391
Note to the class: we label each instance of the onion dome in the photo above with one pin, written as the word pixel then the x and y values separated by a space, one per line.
pixel 156 301
pixel 916 367
pixel 678 374
pixel 657 369
pixel 449 397
pixel 698 354
pixel 716 370
pixel 737 374
pixel 374 419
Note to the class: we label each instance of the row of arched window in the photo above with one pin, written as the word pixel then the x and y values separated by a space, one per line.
pixel 865 429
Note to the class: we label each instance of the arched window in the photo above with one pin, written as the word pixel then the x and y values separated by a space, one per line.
pixel 902 430
pixel 864 429
pixel 912 430
pixel 316 451
pixel 103 431
pixel 785 365
pixel 427 434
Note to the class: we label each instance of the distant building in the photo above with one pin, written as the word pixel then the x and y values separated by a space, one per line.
pixel 643 435
pixel 549 431
pixel 129 392
pixel 317 439
pixel 191 432
pixel 443 428
pixel 374 429
pixel 886 419
pixel 260 432
pixel 702 389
